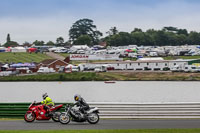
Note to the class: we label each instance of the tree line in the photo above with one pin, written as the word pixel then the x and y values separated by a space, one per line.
pixel 168 36
pixel 84 32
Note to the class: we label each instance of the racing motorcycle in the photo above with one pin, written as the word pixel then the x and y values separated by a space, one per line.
pixel 39 113
pixel 73 113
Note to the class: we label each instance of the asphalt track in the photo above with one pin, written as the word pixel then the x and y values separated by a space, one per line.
pixel 103 124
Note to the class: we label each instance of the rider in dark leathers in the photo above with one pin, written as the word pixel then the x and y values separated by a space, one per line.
pixel 82 103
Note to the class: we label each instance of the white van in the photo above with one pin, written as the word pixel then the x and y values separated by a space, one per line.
pixel 177 68
pixel 72 68
pixel 45 70
pixel 191 68
pixel 99 68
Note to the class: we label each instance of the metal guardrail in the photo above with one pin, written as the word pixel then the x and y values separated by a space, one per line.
pixel 120 110
pixel 137 111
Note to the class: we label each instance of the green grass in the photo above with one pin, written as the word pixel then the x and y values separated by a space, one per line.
pixel 181 57
pixel 107 131
pixel 105 76
pixel 76 76
pixel 22 57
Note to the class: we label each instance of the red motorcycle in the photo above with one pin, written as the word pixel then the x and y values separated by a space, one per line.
pixel 39 113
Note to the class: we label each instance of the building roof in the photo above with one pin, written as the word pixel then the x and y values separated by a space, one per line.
pixel 141 61
pixel 125 62
pixel 47 61
pixel 50 61
pixel 150 59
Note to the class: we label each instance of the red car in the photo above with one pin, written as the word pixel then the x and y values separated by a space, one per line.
pixel 38 112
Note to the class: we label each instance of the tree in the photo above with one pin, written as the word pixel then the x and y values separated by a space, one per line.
pixel 50 43
pixel 151 34
pixel 138 38
pixel 182 31
pixel 84 27
pixel 161 38
pixel 112 31
pixel 170 29
pixel 167 36
pixel 27 44
pixel 83 39
pixel 8 38
pixel 10 43
pixel 67 44
pixel 194 38
pixel 38 43
pixel 120 39
pixel 181 39
pixel 137 30
pixel 60 41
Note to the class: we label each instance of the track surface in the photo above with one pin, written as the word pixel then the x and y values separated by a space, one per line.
pixel 103 124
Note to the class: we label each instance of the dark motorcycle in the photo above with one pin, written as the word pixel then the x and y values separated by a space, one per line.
pixel 73 113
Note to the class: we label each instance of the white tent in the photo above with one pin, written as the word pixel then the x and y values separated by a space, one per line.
pixel 18 49
pixel 150 59
pixel 79 47
pixel 5 66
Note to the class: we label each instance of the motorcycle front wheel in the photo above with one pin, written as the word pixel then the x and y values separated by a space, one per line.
pixel 29 117
pixel 93 118
pixel 55 116
pixel 64 118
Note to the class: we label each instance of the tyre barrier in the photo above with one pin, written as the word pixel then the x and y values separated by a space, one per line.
pixel 120 110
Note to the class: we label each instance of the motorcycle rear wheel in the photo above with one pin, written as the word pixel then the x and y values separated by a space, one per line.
pixel 93 118
pixel 55 117
pixel 64 118
pixel 29 117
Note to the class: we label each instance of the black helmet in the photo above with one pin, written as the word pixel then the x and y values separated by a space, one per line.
pixel 76 97
pixel 44 96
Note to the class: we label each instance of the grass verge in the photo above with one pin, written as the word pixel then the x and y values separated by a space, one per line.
pixel 105 76
pixel 77 76
pixel 107 131
pixel 181 57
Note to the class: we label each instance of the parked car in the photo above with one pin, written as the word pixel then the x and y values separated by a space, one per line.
pixel 61 51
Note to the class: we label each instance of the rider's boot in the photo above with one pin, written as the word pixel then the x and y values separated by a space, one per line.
pixel 48 113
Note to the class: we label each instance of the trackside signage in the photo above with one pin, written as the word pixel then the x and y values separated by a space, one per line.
pixel 94 57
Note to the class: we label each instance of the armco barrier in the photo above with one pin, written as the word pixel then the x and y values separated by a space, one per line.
pixel 120 110
pixel 159 110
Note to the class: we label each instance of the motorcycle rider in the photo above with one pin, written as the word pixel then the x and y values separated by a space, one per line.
pixel 47 102
pixel 82 103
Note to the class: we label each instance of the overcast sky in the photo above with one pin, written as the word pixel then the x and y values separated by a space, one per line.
pixel 30 20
